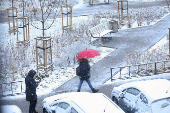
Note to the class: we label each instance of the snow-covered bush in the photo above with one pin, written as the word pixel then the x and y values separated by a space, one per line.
pixel 140 16
pixel 15 59
pixel 42 75
pixel 156 53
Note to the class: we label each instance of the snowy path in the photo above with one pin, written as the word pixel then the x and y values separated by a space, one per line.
pixel 126 41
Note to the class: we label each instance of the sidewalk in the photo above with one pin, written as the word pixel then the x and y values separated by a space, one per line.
pixel 125 42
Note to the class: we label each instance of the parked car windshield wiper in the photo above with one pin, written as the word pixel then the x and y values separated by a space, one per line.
pixel 167 90
pixel 105 106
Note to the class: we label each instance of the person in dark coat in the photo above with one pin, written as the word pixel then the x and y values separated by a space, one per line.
pixel 31 86
pixel 85 74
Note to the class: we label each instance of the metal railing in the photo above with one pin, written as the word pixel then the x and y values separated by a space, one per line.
pixel 118 70
pixel 11 91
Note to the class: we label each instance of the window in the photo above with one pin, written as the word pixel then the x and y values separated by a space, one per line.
pixel 133 91
pixel 73 110
pixel 63 105
pixel 143 98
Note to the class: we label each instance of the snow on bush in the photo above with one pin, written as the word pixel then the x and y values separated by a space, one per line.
pixel 156 53
pixel 137 16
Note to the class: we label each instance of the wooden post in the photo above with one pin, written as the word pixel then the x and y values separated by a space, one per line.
pixel 51 56
pixel 45 65
pixel 118 10
pixel 17 28
pixel 8 20
pixel 120 7
pixel 24 25
pixel 37 55
pixel 45 57
pixel 62 18
pixel 169 51
pixel 28 29
pixel 121 10
pixel 127 11
pixel 13 20
pixel 71 16
pixel 169 41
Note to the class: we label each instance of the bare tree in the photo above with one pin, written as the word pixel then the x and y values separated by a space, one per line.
pixel 168 2
pixel 42 16
pixel 42 11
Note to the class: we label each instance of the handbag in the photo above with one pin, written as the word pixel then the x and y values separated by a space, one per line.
pixel 78 72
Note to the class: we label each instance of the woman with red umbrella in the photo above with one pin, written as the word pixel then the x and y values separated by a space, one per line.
pixel 84 68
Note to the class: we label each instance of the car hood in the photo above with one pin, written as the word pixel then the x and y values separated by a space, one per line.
pixel 100 103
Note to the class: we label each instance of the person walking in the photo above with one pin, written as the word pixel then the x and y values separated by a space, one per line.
pixel 31 86
pixel 84 74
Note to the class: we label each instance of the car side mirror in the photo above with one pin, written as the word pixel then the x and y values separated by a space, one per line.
pixel 121 95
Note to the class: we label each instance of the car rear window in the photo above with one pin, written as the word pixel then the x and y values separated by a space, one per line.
pixel 63 105
pixel 73 110
pixel 133 91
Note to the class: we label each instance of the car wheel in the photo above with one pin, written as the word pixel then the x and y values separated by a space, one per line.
pixel 115 100
pixel 44 110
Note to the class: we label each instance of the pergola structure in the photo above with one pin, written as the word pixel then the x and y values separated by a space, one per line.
pixel 44 54
pixel 12 13
pixel 68 14
pixel 121 8
pixel 23 24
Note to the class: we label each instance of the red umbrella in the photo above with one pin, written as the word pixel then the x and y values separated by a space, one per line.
pixel 87 53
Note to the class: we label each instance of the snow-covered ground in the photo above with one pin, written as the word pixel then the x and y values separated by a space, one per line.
pixel 62 70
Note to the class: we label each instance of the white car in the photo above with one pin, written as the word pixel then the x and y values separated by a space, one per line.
pixel 80 102
pixel 151 96
pixel 10 109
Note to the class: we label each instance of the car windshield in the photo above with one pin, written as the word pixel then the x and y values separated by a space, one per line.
pixel 161 106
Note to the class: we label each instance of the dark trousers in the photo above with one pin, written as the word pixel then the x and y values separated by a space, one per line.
pixel 32 106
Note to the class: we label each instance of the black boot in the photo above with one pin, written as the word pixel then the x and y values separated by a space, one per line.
pixel 95 90
pixel 78 90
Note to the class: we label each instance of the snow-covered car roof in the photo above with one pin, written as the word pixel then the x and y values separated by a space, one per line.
pixel 89 102
pixel 10 109
pixel 152 89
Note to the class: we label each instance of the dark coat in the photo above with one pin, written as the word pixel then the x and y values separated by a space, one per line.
pixel 85 70
pixel 31 86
